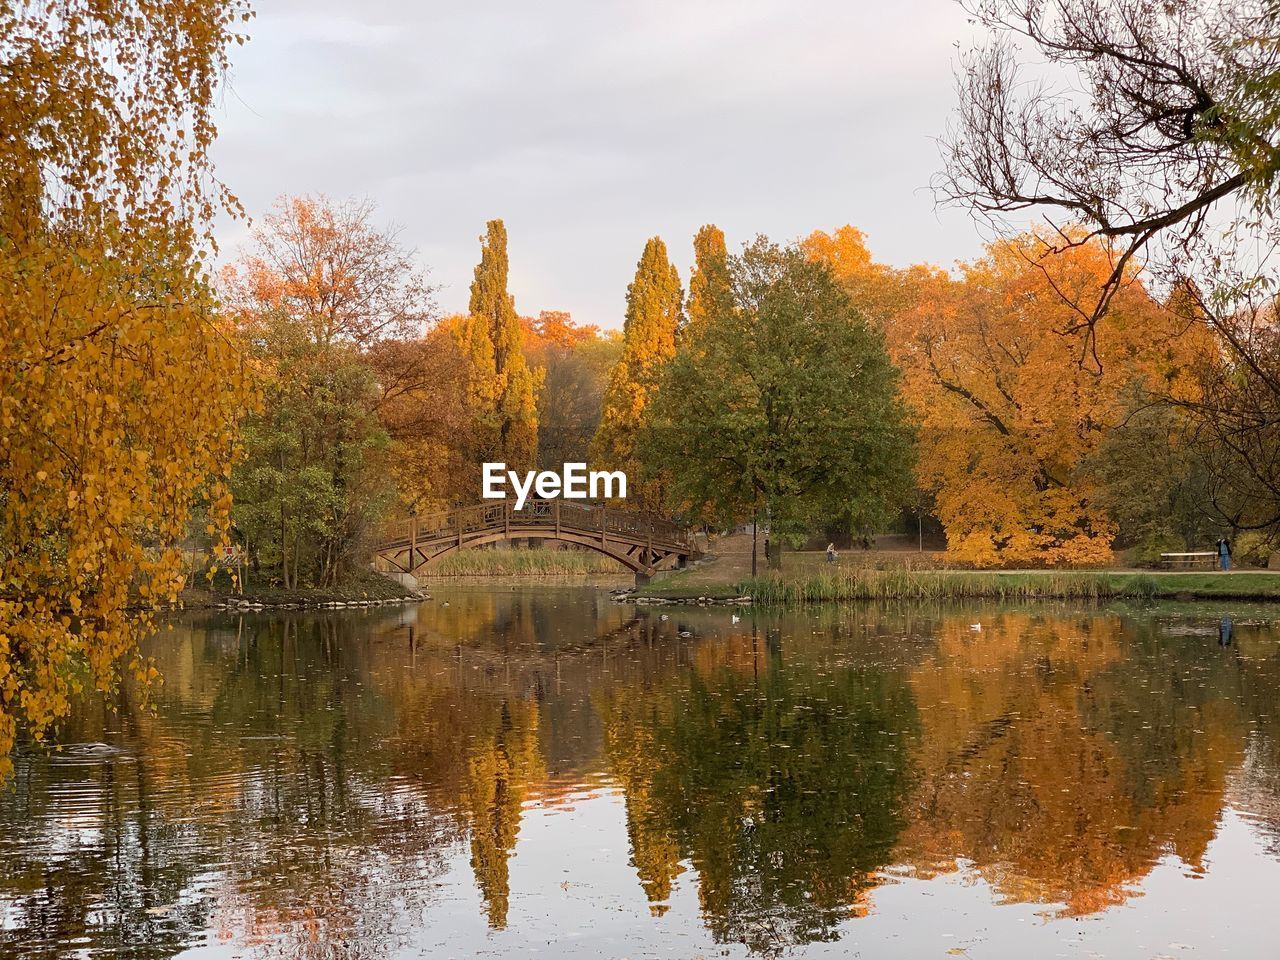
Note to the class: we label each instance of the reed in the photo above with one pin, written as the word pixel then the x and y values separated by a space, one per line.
pixel 522 563
pixel 906 584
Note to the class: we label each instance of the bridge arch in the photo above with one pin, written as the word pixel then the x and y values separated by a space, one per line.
pixel 643 543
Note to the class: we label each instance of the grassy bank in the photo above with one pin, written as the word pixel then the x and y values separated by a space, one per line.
pixel 522 563
pixel 807 585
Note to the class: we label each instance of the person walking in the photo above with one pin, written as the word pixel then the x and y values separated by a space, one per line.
pixel 1224 554
pixel 831 553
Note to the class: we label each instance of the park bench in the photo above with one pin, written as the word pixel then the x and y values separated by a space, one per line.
pixel 1206 560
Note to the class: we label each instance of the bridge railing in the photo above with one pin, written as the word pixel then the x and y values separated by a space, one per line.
pixel 575 517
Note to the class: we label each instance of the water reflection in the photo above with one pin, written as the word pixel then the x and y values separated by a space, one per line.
pixel 366 783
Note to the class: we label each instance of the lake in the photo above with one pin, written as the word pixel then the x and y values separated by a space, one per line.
pixel 541 771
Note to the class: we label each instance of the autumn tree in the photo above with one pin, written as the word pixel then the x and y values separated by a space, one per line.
pixel 785 407
pixel 1009 416
pixel 501 389
pixel 422 406
pixel 710 292
pixel 655 311
pixel 1153 126
pixel 320 297
pixel 1179 113
pixel 877 290
pixel 573 363
pixel 119 385
pixel 1156 478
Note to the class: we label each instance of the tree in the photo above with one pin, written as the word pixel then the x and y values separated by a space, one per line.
pixel 321 297
pixel 573 363
pixel 1155 480
pixel 875 289
pixel 119 385
pixel 786 406
pixel 422 405
pixel 710 292
pixel 501 387
pixel 1171 155
pixel 1180 113
pixel 1009 418
pixel 655 312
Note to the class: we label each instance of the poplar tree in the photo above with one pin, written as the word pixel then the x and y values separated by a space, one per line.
pixel 500 386
pixel 710 293
pixel 655 311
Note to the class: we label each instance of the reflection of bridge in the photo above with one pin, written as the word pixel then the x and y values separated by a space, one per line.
pixel 641 542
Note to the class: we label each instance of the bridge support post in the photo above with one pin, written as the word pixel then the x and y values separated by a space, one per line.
pixel 642 579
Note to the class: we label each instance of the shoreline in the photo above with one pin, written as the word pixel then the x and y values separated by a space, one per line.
pixel 714 583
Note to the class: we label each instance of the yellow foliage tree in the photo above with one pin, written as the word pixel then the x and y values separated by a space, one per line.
pixel 501 388
pixel 119 387
pixel 710 293
pixel 655 311
pixel 1013 396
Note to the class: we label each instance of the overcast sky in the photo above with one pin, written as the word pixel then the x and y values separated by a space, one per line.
pixel 589 126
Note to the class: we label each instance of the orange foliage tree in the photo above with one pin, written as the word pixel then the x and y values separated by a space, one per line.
pixel 337 314
pixel 501 389
pixel 572 362
pixel 119 386
pixel 1014 395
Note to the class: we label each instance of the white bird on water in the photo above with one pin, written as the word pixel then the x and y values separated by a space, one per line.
pixel 736 618
pixel 975 627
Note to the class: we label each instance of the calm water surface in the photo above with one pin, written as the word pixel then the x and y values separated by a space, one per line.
pixel 541 772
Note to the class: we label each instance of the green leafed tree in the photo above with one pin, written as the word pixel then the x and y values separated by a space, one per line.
pixel 655 311
pixel 785 407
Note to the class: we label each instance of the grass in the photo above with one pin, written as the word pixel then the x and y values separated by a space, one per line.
pixel 808 579
pixel 1026 585
pixel 522 563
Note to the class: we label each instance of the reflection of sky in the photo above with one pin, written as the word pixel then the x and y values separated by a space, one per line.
pixel 589 127
pixel 574 895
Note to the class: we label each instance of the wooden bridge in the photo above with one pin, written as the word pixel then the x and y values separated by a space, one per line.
pixel 641 542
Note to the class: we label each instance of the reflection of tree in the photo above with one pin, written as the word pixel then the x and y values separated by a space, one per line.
pixel 1063 756
pixel 630 725
pixel 1256 786
pixel 501 767
pixel 781 782
pixel 481 751
pixel 246 802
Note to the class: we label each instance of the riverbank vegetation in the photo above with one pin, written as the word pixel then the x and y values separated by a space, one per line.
pixel 906 576
pixel 524 563
pixel 947 585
